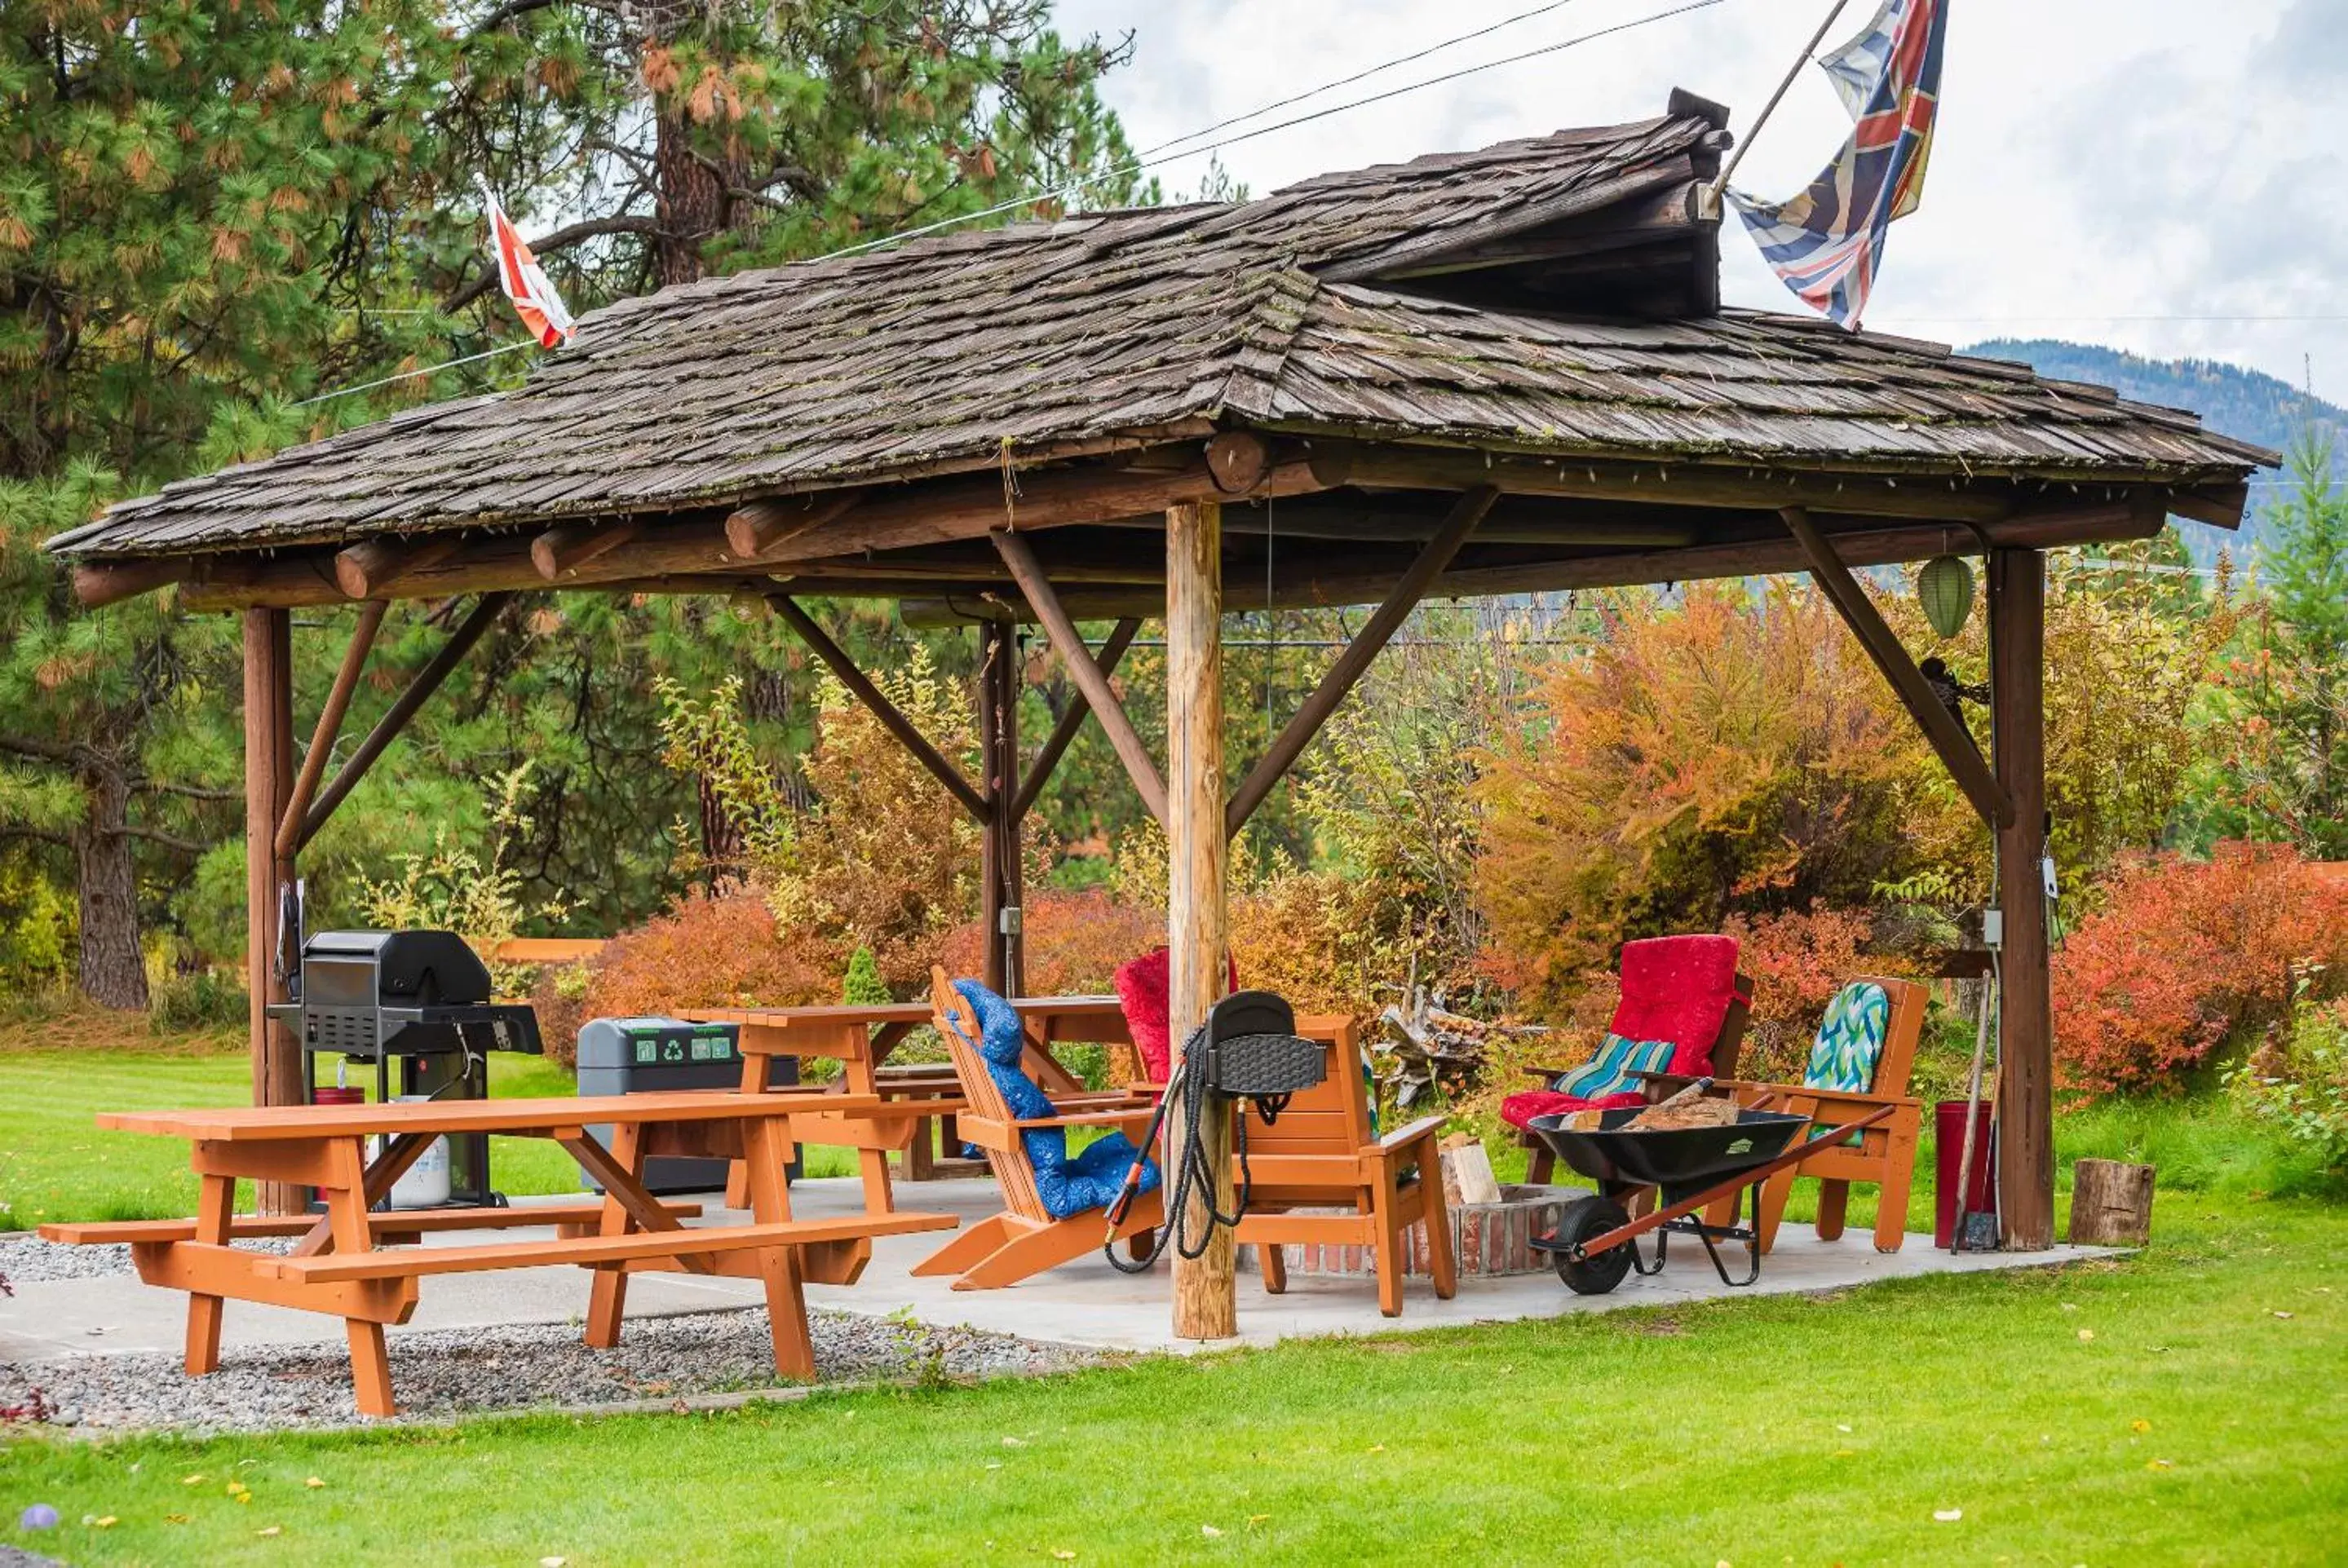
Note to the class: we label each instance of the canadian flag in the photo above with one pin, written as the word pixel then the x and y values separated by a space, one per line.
pixel 525 283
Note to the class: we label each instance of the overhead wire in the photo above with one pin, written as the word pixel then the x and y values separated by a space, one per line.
pixel 1156 158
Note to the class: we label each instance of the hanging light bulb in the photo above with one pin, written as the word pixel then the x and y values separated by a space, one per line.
pixel 1945 589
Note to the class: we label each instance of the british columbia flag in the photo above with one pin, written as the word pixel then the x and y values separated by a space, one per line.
pixel 1827 242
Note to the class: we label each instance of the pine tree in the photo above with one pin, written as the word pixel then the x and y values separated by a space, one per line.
pixel 209 212
pixel 701 136
pixel 185 197
pixel 2289 766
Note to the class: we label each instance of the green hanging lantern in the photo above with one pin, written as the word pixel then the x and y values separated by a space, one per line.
pixel 1945 589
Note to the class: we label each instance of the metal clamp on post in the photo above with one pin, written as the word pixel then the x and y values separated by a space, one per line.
pixel 1246 1050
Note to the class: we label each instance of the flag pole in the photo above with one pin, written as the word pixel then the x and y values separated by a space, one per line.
pixel 1710 205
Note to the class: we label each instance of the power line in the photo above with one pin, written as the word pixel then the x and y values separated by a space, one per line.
pixel 1378 69
pixel 410 374
pixel 1153 157
pixel 1139 164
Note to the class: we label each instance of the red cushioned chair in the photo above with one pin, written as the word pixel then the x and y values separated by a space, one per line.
pixel 1142 994
pixel 1682 989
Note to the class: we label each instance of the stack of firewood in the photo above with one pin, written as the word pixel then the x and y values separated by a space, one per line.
pixel 1427 1045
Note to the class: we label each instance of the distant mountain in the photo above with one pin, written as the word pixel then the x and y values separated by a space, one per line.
pixel 2248 404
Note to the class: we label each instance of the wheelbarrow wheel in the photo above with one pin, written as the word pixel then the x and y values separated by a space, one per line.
pixel 1585 1220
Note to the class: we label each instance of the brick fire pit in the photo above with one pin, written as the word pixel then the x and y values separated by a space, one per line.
pixel 1488 1239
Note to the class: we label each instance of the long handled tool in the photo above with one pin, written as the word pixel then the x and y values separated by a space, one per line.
pixel 1964 1238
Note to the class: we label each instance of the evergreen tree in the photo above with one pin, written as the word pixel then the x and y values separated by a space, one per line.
pixel 2289 754
pixel 184 204
pixel 209 212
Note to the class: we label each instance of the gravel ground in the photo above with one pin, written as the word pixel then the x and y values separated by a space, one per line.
pixel 449 1373
pixel 27 1260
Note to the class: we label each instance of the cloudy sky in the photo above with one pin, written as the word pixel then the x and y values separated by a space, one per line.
pixel 2160 175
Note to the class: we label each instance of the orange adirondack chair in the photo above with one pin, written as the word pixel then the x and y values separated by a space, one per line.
pixel 1870 1039
pixel 1026 1238
pixel 1320 1152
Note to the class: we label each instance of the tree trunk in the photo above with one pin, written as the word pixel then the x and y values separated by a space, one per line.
pixel 721 840
pixel 113 971
pixel 693 201
pixel 2111 1203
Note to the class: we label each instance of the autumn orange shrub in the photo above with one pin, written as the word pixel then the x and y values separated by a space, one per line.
pixel 1734 755
pixel 1798 960
pixel 1075 943
pixel 2182 956
pixel 721 951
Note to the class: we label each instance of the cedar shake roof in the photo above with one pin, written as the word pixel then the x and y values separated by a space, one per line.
pixel 1553 297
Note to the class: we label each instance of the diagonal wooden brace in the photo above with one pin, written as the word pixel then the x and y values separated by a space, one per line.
pixel 895 723
pixel 330 724
pixel 1350 664
pixel 1064 734
pixel 1950 739
pixel 386 730
pixel 1089 677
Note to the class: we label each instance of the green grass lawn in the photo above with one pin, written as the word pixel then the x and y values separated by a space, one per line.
pixel 2180 1405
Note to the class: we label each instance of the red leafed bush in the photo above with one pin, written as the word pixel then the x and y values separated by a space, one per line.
pixel 1075 943
pixel 1797 962
pixel 726 951
pixel 2182 955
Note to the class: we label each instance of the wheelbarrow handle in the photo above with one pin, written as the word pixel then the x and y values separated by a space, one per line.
pixel 1793 1154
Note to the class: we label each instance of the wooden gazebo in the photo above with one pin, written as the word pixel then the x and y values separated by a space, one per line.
pixel 1476 374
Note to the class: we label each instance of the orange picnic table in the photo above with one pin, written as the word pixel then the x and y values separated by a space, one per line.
pixel 343 1266
pixel 862 1036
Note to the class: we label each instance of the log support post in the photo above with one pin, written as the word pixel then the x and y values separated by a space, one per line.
pixel 2026 1093
pixel 1205 1291
pixel 268 787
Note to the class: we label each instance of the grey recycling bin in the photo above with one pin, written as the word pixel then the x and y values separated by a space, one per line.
pixel 645 1055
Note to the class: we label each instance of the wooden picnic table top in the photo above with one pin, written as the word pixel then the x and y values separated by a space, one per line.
pixel 1083 1006
pixel 237 1124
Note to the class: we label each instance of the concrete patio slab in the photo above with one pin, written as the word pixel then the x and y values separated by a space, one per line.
pixel 1085 1302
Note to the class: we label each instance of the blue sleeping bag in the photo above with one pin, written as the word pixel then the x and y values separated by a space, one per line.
pixel 1067 1187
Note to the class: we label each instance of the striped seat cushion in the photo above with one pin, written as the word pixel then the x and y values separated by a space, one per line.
pixel 1608 1073
pixel 1850 1040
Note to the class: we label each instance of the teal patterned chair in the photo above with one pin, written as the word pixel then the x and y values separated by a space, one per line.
pixel 1860 1062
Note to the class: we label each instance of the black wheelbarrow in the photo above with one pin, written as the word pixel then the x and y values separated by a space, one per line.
pixel 1689 1169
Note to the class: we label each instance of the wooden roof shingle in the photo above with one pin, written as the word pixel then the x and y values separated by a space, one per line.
pixel 1295 312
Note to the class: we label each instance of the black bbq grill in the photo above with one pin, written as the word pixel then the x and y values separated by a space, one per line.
pixel 415 1005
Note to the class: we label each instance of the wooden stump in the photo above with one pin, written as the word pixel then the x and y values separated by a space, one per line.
pixel 2111 1203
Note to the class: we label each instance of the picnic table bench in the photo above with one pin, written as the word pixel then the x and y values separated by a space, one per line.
pixel 344 1263
pixel 860 1037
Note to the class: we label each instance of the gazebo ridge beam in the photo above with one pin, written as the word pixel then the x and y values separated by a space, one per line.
pixel 1693 482
pixel 1336 581
pixel 367 569
pixel 1955 744
pixel 1354 660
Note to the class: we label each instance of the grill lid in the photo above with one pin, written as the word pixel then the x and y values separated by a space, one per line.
pixel 391 969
